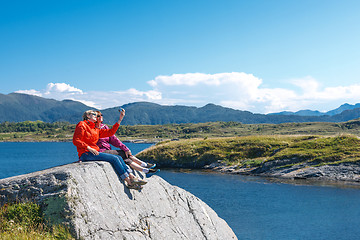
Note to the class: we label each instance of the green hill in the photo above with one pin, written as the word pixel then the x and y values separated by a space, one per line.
pixel 253 153
pixel 16 107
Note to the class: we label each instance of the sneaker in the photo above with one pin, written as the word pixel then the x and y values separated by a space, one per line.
pixel 134 186
pixel 150 165
pixel 152 172
pixel 138 181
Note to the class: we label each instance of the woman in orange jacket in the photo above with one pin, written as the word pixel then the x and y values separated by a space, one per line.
pixel 86 136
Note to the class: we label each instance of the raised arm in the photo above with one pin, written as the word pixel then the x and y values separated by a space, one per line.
pixel 109 132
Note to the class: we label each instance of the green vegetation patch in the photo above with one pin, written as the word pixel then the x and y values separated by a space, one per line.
pixel 252 151
pixel 324 150
pixel 26 221
pixel 36 131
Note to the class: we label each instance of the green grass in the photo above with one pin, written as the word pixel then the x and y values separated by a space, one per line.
pixel 325 150
pixel 252 151
pixel 26 221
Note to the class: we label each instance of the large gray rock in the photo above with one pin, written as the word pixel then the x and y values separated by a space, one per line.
pixel 95 204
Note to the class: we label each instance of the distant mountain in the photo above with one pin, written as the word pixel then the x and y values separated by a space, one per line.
pixel 151 113
pixel 334 112
pixel 342 108
pixel 300 113
pixel 16 107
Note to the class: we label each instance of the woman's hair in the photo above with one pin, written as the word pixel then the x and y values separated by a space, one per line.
pixel 85 115
pixel 98 113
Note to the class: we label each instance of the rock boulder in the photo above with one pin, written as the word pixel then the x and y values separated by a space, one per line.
pixel 91 199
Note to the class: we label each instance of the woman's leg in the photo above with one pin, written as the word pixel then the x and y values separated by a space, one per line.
pixel 122 155
pixel 132 179
pixel 115 161
pixel 128 161
pixel 133 161
pixel 138 161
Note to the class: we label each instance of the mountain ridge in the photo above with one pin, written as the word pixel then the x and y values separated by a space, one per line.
pixel 18 107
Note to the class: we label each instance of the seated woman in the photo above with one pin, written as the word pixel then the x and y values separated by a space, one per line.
pixel 85 138
pixel 124 152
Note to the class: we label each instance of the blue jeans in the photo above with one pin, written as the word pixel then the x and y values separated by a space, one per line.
pixel 116 161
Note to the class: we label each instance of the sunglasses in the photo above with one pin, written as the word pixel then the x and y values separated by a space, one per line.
pixel 99 115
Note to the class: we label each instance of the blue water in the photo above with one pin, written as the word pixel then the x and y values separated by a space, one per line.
pixel 26 157
pixel 255 208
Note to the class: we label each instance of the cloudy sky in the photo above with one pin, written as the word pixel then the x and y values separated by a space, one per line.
pixel 260 55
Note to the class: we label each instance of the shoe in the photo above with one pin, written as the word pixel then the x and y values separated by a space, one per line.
pixel 134 186
pixel 138 181
pixel 152 172
pixel 150 165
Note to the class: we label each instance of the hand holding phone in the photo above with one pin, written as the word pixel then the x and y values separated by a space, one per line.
pixel 122 113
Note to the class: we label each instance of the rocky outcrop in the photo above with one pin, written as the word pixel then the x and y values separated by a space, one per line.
pixel 349 172
pixel 95 204
pixel 295 169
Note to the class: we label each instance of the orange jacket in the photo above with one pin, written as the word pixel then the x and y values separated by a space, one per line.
pixel 86 134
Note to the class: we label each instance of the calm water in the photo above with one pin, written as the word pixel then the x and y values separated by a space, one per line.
pixel 255 208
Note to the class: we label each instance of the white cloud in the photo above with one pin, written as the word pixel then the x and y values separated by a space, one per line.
pixel 96 99
pixel 30 92
pixel 151 95
pixel 307 84
pixel 192 79
pixel 245 92
pixel 61 88
pixel 235 90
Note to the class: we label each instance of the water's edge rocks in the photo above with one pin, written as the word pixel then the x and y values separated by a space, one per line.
pixel 293 169
pixel 95 204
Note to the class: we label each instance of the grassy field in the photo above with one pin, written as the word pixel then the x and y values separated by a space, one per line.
pixel 253 151
pixel 25 221
pixel 38 131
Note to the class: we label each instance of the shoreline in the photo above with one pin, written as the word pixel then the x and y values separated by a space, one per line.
pixel 347 174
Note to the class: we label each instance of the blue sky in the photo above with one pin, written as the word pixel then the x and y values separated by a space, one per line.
pixel 260 55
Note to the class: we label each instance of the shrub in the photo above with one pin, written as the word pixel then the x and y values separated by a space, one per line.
pixel 26 221
pixel 28 214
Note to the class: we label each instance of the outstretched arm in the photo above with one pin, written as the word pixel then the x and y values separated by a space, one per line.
pixel 109 132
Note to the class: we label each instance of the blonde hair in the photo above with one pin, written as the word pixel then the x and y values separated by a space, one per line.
pixel 87 113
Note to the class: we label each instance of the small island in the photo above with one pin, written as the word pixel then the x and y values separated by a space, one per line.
pixel 331 158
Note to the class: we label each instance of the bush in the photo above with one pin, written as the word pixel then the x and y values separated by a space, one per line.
pixel 28 214
pixel 26 221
